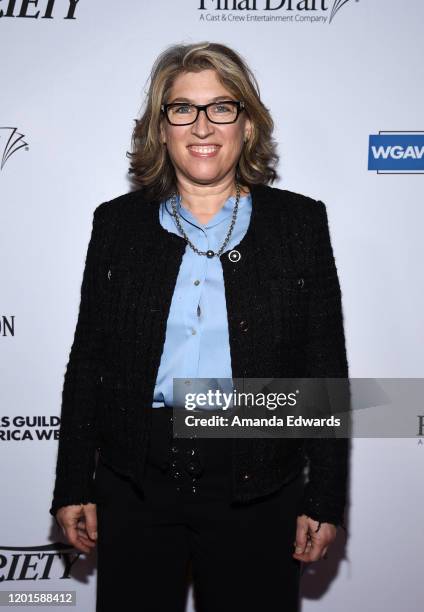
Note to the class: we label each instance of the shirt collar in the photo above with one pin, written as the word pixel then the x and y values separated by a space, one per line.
pixel 222 214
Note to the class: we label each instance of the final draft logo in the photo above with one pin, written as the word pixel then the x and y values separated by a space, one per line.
pixel 10 141
pixel 242 10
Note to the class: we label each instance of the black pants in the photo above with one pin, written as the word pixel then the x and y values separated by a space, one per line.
pixel 238 557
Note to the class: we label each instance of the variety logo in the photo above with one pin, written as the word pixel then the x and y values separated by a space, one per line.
pixel 10 141
pixel 28 8
pixel 23 563
pixel 312 11
pixel 396 152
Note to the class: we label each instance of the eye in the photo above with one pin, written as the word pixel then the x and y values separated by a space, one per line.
pixel 182 109
pixel 223 108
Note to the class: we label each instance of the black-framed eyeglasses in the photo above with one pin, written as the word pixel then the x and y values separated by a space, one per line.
pixel 183 113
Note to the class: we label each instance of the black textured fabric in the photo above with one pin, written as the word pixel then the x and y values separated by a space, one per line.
pixel 284 317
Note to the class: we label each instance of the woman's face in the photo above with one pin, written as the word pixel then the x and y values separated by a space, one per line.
pixel 185 142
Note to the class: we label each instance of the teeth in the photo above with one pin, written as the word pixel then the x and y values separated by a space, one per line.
pixel 203 149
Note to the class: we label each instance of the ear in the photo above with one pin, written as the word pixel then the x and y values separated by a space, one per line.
pixel 247 129
pixel 162 133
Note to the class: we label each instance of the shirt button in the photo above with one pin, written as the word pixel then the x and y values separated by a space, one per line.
pixel 174 449
pixel 246 476
pixel 300 282
pixel 196 282
pixel 193 331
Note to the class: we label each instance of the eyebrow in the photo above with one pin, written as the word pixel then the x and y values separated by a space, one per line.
pixel 181 99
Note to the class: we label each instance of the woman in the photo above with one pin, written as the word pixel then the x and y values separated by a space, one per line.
pixel 205 271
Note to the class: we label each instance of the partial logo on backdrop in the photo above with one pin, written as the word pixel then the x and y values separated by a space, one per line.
pixel 396 152
pixel 46 9
pixel 420 425
pixel 284 11
pixel 29 427
pixel 11 141
pixel 7 325
pixel 37 563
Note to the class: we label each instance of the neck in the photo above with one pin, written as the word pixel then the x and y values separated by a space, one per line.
pixel 207 199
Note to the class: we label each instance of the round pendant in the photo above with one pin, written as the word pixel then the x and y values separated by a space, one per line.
pixel 210 254
pixel 234 255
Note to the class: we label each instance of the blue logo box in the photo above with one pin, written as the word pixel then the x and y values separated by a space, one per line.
pixel 396 152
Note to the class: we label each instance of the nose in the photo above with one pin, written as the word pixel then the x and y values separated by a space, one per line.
pixel 202 126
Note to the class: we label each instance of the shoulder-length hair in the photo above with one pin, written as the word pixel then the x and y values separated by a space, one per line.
pixel 151 167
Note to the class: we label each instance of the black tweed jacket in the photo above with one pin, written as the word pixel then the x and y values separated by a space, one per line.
pixel 285 320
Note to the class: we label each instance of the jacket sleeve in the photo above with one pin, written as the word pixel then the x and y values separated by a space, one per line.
pixel 325 493
pixel 77 434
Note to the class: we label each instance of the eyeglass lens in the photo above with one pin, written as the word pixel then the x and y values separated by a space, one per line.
pixel 221 112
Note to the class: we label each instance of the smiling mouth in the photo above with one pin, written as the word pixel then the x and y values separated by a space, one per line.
pixel 204 149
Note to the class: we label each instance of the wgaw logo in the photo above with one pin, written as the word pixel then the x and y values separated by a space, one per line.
pixel 10 141
pixel 396 152
pixel 289 11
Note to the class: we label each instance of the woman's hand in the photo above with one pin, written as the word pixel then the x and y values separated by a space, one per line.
pixel 312 545
pixel 79 525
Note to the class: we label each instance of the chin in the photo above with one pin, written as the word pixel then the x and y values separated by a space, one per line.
pixel 204 177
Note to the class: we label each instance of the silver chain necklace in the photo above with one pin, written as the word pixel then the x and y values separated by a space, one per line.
pixel 209 253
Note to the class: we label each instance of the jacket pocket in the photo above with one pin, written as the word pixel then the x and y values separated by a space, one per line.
pixel 289 300
pixel 116 274
pixel 121 283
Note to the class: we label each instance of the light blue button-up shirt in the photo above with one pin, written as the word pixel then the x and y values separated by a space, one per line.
pixel 197 341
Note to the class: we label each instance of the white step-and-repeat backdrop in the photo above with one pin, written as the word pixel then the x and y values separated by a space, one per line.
pixel 345 84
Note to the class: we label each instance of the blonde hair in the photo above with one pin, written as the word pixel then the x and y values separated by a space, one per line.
pixel 151 166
